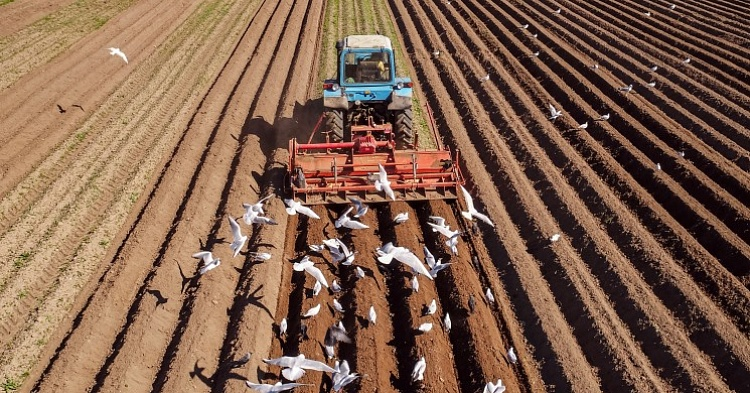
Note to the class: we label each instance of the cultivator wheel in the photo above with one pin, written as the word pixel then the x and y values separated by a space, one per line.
pixel 335 125
pixel 404 129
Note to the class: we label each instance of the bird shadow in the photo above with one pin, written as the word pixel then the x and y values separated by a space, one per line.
pixel 185 279
pixel 253 299
pixel 160 299
pixel 264 375
pixel 362 321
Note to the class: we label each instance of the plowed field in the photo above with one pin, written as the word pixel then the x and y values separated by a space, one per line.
pixel 112 175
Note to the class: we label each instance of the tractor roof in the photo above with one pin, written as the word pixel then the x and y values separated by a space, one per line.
pixel 367 41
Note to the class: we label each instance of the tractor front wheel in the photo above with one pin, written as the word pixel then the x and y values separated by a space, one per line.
pixel 335 125
pixel 403 127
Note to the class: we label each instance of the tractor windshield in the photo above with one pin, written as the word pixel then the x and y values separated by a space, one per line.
pixel 367 67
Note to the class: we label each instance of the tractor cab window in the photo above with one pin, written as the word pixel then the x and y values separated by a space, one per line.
pixel 367 67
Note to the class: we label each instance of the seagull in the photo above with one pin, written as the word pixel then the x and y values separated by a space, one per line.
pixel 428 257
pixel 241 361
pixel 334 334
pixel 252 217
pixel 681 153
pixel 309 266
pixel 534 35
pixel 472 303
pixel 388 252
pixel 310 313
pixel 647 13
pixel 558 11
pixel 372 317
pixel 512 356
pixel 346 222
pixel 436 53
pixel 340 252
pixel 489 296
pixel 535 54
pixel 627 89
pixel 654 68
pixel 316 288
pixel 471 211
pixel 431 308
pixel 401 217
pixel 337 306
pixel 383 184
pixel 672 6
pixel 484 78
pixel 439 221
pixel 278 387
pixel 282 327
pixel 238 239
pixel 256 207
pixel 604 117
pixel 209 263
pixel 425 327
pixel 118 52
pixel 554 237
pixel 497 387
pixel 294 207
pixel 417 373
pixel 443 230
pixel 686 61
pixel 524 26
pixel 342 376
pixel 415 283
pixel 583 126
pixel 447 323
pixel 259 256
pixel 361 207
pixel 440 266
pixel 594 66
pixel 554 113
pixel 658 166
pixel 295 366
pixel 335 287
pixel 651 84
pixel 452 243
pixel 360 273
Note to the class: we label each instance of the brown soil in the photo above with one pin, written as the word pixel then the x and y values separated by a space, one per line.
pixel 103 204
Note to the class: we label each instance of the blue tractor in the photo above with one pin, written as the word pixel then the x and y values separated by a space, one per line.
pixel 367 97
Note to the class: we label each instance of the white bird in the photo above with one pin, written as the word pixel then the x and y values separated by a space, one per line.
pixel 686 61
pixel 372 317
pixel 554 237
pixel 534 35
pixel 401 217
pixel 654 68
pixel 334 334
pixel 681 153
pixel 554 113
pixel 238 240
pixel 252 217
pixel 339 251
pixel 316 288
pixel 489 296
pixel 447 323
pixel 658 166
pixel 604 117
pixel 118 52
pixel 282 327
pixel 383 184
pixel 558 11
pixel 594 66
pixel 335 287
pixel 425 327
pixel 512 356
pixel 439 221
pixel 436 53
pixel 209 263
pixel 346 222
pixel 672 6
pixel 388 252
pixel 415 283
pixel 295 366
pixel 317 247
pixel 536 54
pixel 310 313
pixel 627 89
pixel 497 387
pixel 343 376
pixel 651 84
pixel 452 243
pixel 417 373
pixel 294 207
pixel 583 126
pixel 278 387
pixel 444 230
pixel 471 211
pixel 256 207
pixel 484 78
pixel 432 308
pixel 337 306
pixel 647 13
pixel 524 26
pixel 359 272
pixel 259 256
pixel 440 266
pixel 362 209
pixel 428 257
pixel 309 266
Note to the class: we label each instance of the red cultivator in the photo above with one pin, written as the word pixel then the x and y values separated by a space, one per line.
pixel 329 173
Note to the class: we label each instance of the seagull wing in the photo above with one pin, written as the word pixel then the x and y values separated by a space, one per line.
pixel 316 365
pixel 236 230
pixel 293 373
pixel 483 218
pixel 469 203
pixel 408 258
pixel 206 255
pixel 352 224
pixel 429 258
pixel 315 272
pixel 301 209
pixel 284 361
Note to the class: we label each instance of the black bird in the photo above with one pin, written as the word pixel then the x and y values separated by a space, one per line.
pixel 472 303
pixel 160 299
pixel 60 109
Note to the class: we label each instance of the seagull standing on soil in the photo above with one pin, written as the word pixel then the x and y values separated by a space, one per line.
pixel 471 211
pixel 524 26
pixel 558 11
pixel 316 288
pixel 417 374
pixel 209 263
pixel 401 217
pixel 425 327
pixel 372 316
pixel 484 78
pixel 258 256
pixel 604 117
pixel 647 13
pixel 583 126
pixel 335 287
pixel 627 89
pixel 383 184
pixel 118 52
pixel 512 356
pixel 654 68
pixel 238 240
pixel 337 306
pixel 554 113
pixel 686 61
pixel 282 327
pixel 432 308
pixel 594 66
pixel 554 237
pixel 359 272
pixel 489 296
pixel 294 207
pixel 672 6
pixel 361 207
pixel 651 84
pixel 295 366
pixel 309 314
pixel 278 387
pixel 447 323
pixel 415 283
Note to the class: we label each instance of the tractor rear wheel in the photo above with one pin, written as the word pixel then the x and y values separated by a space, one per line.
pixel 403 127
pixel 335 124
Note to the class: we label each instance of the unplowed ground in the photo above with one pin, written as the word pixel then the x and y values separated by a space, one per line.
pixel 103 203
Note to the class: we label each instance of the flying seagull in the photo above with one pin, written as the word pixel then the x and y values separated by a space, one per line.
pixel 554 113
pixel 388 252
pixel 118 52
pixel 471 211
pixel 334 334
pixel 238 239
pixel 346 222
pixel 343 376
pixel 256 207
pixel 309 266
pixel 278 387
pixel 383 184
pixel 294 207
pixel 295 366
pixel 361 207
pixel 209 263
